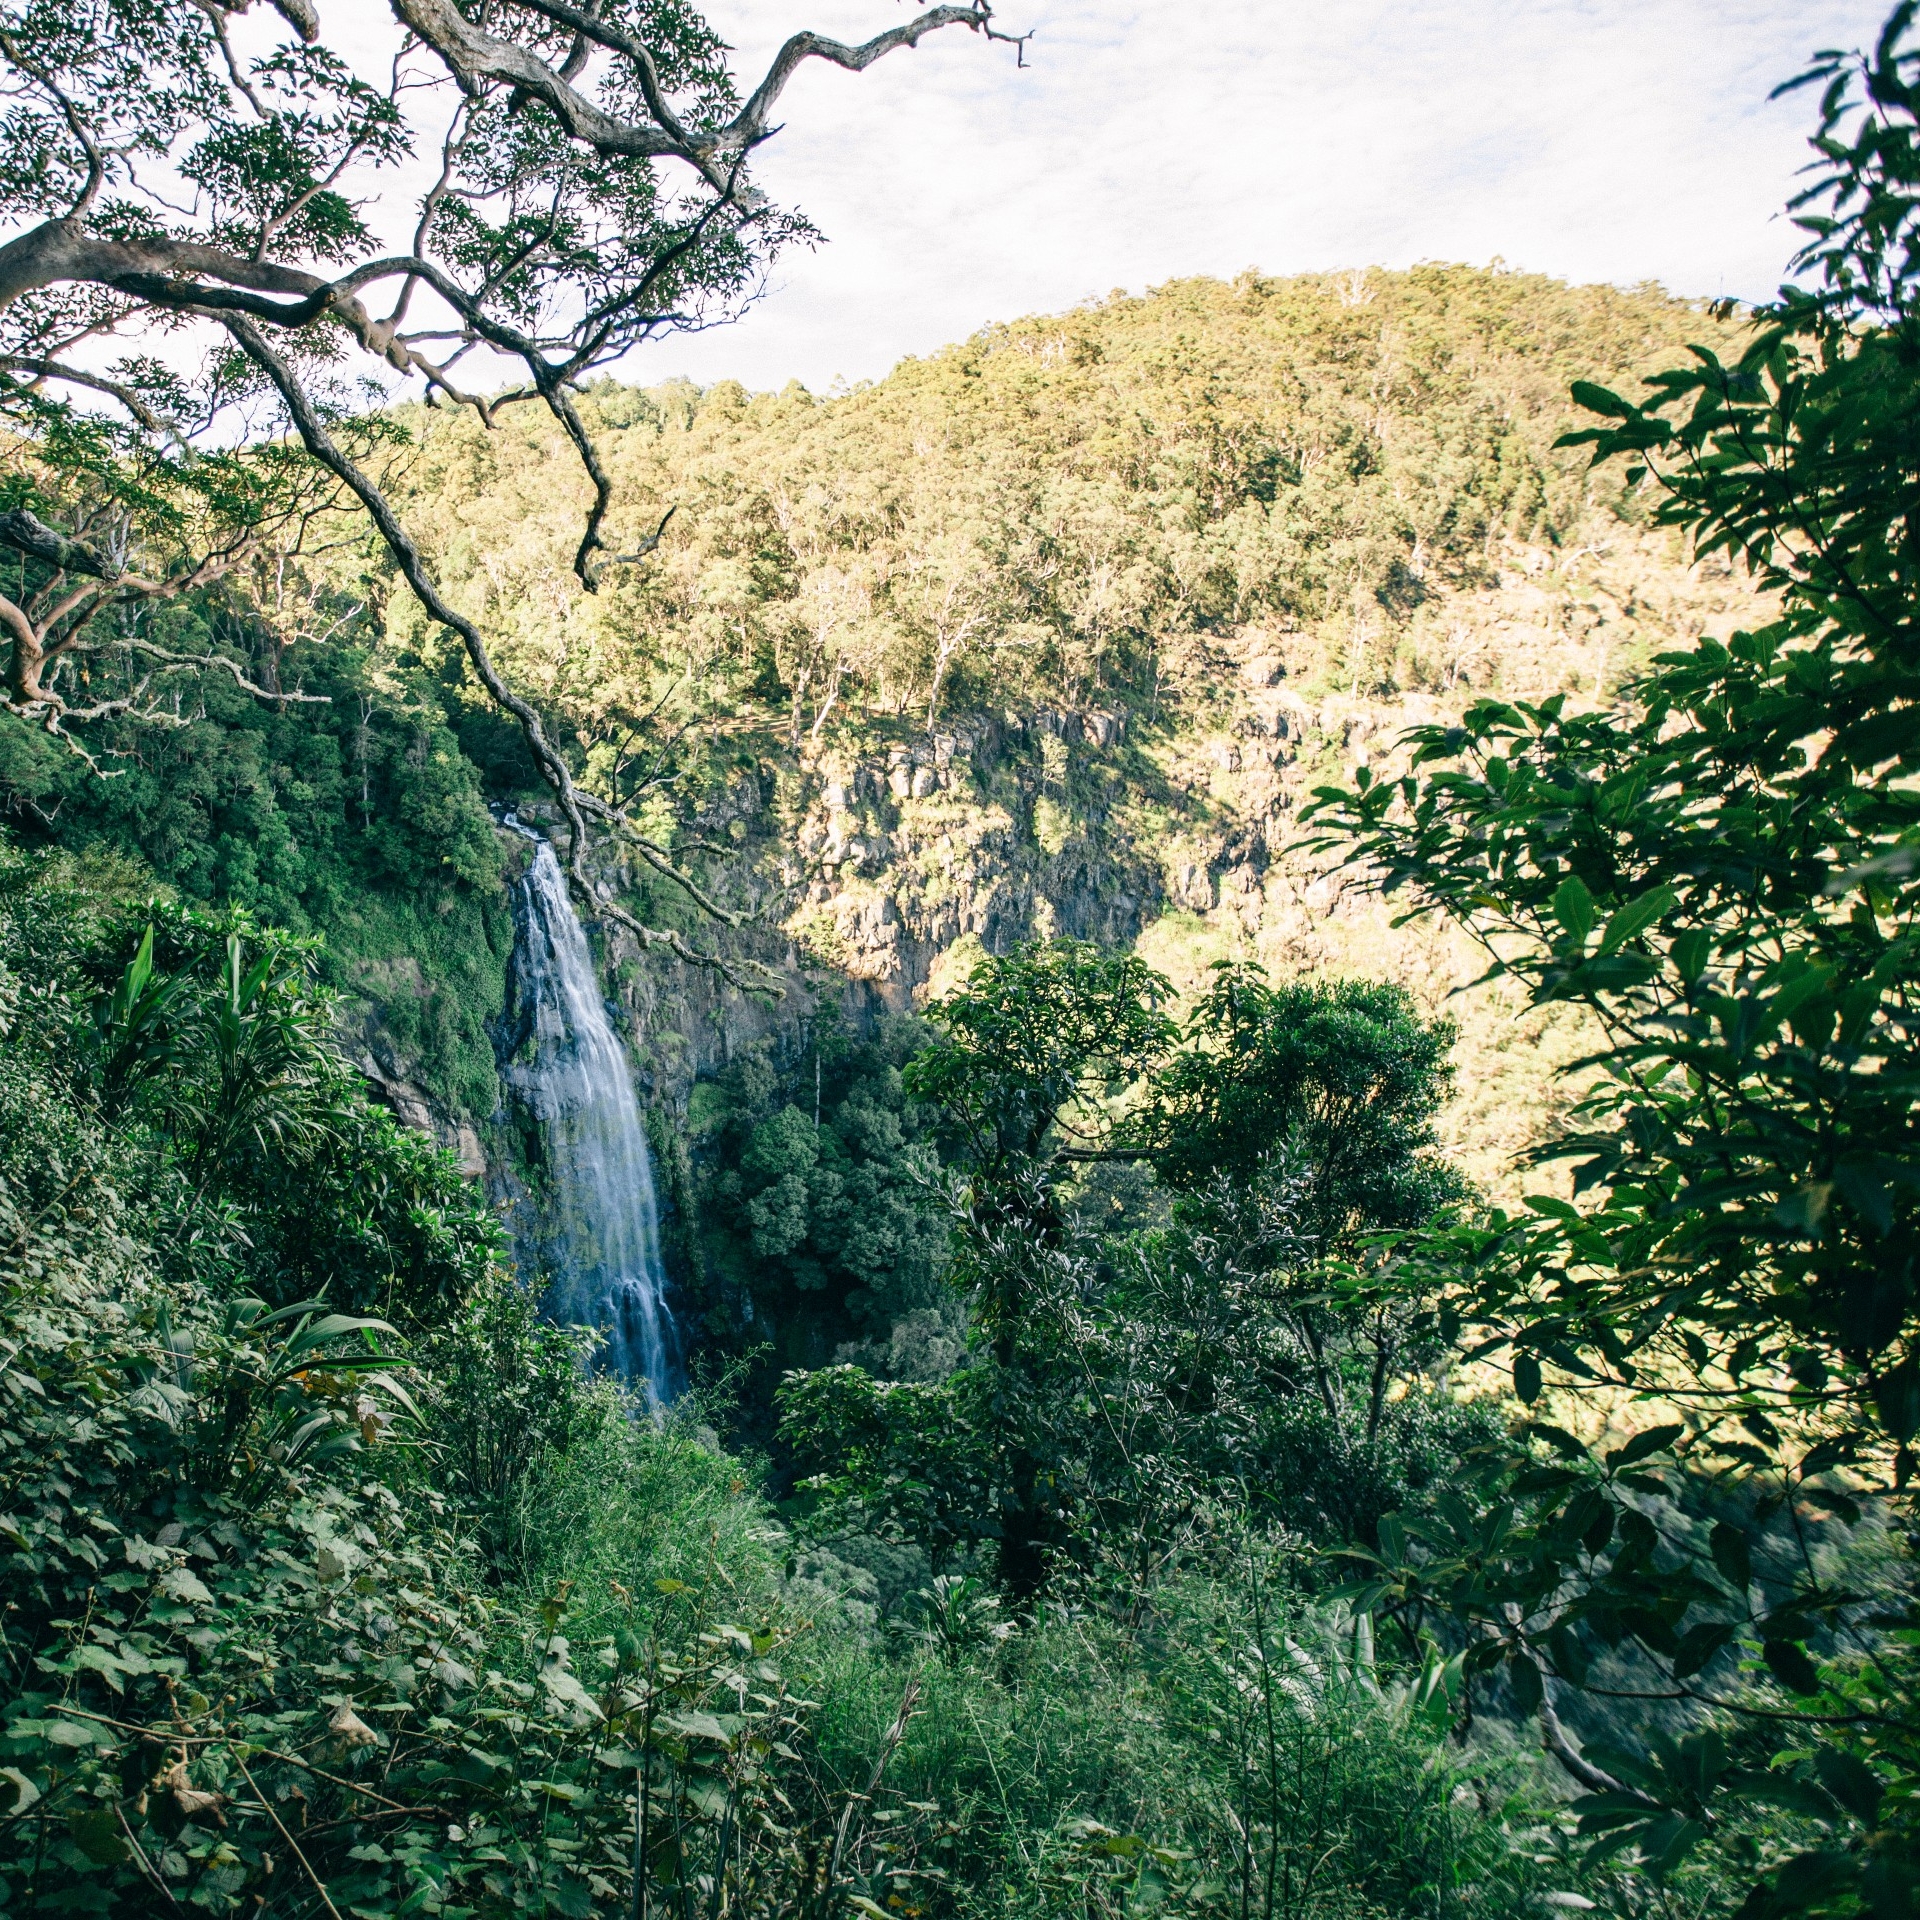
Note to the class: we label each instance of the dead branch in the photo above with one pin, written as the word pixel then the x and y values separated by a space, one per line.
pixel 43 370
pixel 657 857
pixel 413 569
pixel 473 56
pixel 746 976
pixel 194 662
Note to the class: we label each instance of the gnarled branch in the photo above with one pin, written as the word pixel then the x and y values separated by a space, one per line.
pixel 42 370
pixel 27 534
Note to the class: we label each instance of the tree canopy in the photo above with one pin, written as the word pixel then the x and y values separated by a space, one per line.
pixel 1723 871
pixel 220 198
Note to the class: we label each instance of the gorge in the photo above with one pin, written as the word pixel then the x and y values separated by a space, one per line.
pixel 1125 1128
pixel 1052 633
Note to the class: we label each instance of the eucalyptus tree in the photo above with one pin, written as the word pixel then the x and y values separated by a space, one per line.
pixel 236 222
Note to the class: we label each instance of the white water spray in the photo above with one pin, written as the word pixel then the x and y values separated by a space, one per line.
pixel 600 1227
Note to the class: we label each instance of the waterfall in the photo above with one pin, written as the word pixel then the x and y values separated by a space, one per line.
pixel 599 1229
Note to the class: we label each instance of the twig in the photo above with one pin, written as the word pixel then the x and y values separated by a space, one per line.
pixel 271 1753
pixel 140 1854
pixel 909 1701
pixel 319 1885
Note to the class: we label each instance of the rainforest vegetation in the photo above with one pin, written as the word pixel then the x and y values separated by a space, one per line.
pixel 1131 1467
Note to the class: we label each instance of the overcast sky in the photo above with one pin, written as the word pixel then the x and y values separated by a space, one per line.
pixel 1618 140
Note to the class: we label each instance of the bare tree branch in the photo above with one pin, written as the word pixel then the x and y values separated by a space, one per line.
pixel 194 662
pixel 749 126
pixel 1553 1736
pixel 473 56
pixel 646 546
pixel 298 14
pixel 97 383
pixel 413 569
pixel 748 976
pixel 658 858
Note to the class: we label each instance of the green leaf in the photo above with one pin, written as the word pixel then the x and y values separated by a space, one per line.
pixel 181 1583
pixel 1667 1842
pixel 1788 1663
pixel 1866 1190
pixel 133 983
pixel 1897 1399
pixel 1789 1000
pixel 1698 1645
pixel 1524 1678
pixel 1651 1441
pixel 1393 1540
pixel 1573 908
pixel 1526 1377
pixel 1598 399
pixel 1690 953
pixel 1599 1532
pixel 1851 1781
pixel 694 1725
pixel 1635 917
pixel 1559 1439
pixel 96 1832
pixel 567 1691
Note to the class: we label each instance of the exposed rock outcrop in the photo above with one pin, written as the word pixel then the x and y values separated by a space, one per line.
pixel 874 867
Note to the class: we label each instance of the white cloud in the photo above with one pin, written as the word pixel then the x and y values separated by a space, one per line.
pixel 1617 140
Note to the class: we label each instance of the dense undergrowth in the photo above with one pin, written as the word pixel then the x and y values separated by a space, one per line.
pixel 337 1595
pixel 360 816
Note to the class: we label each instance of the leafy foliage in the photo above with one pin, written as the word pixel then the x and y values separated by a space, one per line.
pixel 582 185
pixel 1064 511
pixel 1724 875
pixel 334 1583
pixel 298 1619
pixel 213 1046
pixel 360 819
pixel 1029 1047
pixel 1125 1385
pixel 817 1191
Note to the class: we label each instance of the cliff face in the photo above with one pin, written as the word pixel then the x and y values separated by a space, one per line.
pixel 1052 633
pixel 875 865
pixel 881 864
pixel 878 864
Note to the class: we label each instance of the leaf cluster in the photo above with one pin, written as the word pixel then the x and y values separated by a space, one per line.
pixel 1721 872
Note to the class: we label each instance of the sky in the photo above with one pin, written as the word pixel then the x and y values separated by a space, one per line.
pixel 1146 140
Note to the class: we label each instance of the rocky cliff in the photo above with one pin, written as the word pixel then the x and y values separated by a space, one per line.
pixel 876 867
pixel 1054 632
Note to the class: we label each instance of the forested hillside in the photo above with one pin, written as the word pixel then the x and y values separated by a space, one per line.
pixel 1047 634
pixel 1054 512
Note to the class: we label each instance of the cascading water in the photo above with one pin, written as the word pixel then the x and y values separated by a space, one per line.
pixel 599 1229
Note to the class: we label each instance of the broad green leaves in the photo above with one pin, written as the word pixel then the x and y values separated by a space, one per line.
pixel 1739 839
pixel 238 1587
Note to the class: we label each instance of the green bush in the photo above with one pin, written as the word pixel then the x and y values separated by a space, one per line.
pixel 832 1226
